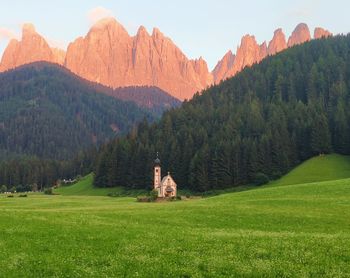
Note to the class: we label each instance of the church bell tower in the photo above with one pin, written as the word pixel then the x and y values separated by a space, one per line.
pixel 157 174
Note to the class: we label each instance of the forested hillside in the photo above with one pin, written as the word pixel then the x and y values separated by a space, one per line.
pixel 27 173
pixel 47 112
pixel 152 98
pixel 265 120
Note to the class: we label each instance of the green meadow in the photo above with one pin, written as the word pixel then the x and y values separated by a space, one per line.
pixel 85 188
pixel 296 227
pixel 320 168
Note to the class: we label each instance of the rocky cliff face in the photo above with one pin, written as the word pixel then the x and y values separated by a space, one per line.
pixel 321 33
pixel 250 52
pixel 224 65
pixel 110 56
pixel 31 48
pixel 278 42
pixel 300 35
pixel 101 56
pixel 59 55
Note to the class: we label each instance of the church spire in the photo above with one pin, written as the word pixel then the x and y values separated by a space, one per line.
pixel 157 160
pixel 157 175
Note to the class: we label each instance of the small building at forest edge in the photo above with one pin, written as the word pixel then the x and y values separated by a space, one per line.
pixel 166 186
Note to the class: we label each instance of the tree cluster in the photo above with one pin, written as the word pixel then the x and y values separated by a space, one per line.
pixel 262 122
pixel 33 173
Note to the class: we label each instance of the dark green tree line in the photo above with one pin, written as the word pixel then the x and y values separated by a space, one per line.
pixel 265 120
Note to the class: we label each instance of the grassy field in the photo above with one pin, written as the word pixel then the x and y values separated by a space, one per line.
pixel 85 188
pixel 281 231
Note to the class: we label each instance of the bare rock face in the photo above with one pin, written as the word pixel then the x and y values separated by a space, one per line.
pixel 224 65
pixel 248 53
pixel 110 56
pixel 321 33
pixel 30 49
pixel 200 67
pixel 59 55
pixel 263 51
pixel 300 35
pixel 100 56
pixel 9 56
pixel 278 42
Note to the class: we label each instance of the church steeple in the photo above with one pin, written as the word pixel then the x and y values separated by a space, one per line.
pixel 157 160
pixel 157 174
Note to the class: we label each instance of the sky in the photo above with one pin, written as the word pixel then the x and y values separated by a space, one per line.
pixel 207 28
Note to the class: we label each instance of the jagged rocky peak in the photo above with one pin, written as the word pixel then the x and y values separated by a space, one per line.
pixel 300 35
pixel 223 66
pixel 201 68
pixel 278 42
pixel 157 33
pixel 110 56
pixel 321 33
pixel 142 31
pixel 32 47
pixel 109 27
pixel 263 50
pixel 107 54
pixel 105 23
pixel 28 29
pixel 250 52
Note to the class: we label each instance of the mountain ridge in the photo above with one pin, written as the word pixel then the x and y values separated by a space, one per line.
pixel 149 97
pixel 110 56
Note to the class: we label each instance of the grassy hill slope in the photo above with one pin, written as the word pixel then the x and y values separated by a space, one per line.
pixel 286 231
pixel 85 188
pixel 320 168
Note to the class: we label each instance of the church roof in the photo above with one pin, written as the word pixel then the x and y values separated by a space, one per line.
pixel 164 179
pixel 168 177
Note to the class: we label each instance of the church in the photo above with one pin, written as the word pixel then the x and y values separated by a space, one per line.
pixel 165 187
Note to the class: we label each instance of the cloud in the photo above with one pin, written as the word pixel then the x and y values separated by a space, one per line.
pixel 300 13
pixel 305 9
pixel 7 34
pixel 97 14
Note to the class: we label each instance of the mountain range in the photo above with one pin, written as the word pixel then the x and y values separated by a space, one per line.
pixel 110 56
